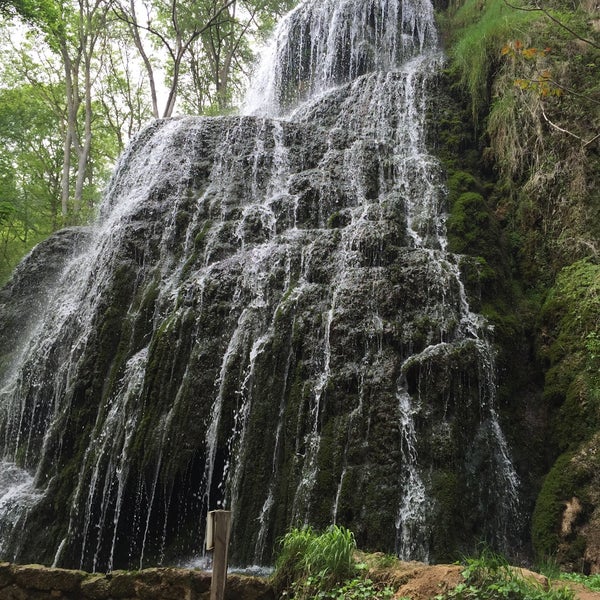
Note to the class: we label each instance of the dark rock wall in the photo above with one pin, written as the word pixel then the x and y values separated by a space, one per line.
pixel 223 363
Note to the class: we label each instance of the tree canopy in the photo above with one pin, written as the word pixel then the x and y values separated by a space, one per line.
pixel 78 78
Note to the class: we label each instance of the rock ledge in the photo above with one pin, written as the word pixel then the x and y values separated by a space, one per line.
pixel 36 582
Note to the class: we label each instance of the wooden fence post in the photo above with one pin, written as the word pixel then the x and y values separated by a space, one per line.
pixel 221 529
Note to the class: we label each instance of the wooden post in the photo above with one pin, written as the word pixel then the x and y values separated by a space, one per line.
pixel 221 529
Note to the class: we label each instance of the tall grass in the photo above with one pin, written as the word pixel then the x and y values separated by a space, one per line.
pixel 479 30
pixel 311 560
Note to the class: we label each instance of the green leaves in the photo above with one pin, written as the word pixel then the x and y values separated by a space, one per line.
pixel 490 577
pixel 30 150
pixel 356 589
pixel 592 582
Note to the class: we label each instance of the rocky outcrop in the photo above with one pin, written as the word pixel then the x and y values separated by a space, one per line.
pixel 25 296
pixel 36 582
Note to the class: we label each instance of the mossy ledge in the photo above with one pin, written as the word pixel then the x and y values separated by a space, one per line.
pixel 39 582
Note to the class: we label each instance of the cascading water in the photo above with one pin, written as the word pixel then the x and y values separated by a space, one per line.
pixel 266 317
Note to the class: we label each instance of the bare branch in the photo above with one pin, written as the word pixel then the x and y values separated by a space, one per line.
pixel 545 11
pixel 566 131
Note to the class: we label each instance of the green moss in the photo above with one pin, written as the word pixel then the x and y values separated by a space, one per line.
pixel 560 485
pixel 549 506
pixel 200 239
pixel 165 371
pixel 460 182
pixel 525 209
pixel 447 491
pixel 569 324
pixel 338 219
pixel 469 215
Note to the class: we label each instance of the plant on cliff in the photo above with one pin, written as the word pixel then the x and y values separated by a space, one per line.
pixel 479 30
pixel 531 79
pixel 534 93
pixel 568 344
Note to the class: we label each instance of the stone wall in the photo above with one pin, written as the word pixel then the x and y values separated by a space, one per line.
pixel 35 582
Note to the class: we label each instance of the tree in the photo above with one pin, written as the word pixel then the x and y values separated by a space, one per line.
pixel 86 73
pixel 76 40
pixel 70 32
pixel 207 45
pixel 227 47
pixel 29 171
pixel 34 12
pixel 123 106
pixel 173 26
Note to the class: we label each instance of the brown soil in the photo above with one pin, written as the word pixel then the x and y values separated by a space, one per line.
pixel 430 581
pixel 581 592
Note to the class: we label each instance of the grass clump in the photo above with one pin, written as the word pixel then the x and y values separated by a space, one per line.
pixel 313 565
pixel 591 582
pixel 490 577
pixel 479 30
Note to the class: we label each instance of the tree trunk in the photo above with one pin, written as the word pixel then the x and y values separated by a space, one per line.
pixel 71 128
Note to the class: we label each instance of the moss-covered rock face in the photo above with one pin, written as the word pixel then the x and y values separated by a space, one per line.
pixel 265 320
pixel 536 115
pixel 566 515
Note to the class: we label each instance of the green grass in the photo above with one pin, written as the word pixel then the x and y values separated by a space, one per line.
pixel 490 577
pixel 305 555
pixel 551 569
pixel 312 565
pixel 479 31
pixel 590 581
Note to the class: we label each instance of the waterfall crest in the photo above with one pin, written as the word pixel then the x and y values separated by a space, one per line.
pixel 320 45
pixel 266 318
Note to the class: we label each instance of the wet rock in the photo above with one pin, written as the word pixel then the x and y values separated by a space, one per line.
pixel 6 574
pixel 38 577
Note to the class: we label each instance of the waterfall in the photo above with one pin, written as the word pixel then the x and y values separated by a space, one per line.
pixel 266 317
pixel 322 44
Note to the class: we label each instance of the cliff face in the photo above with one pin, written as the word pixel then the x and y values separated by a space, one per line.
pixel 266 317
pixel 528 85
